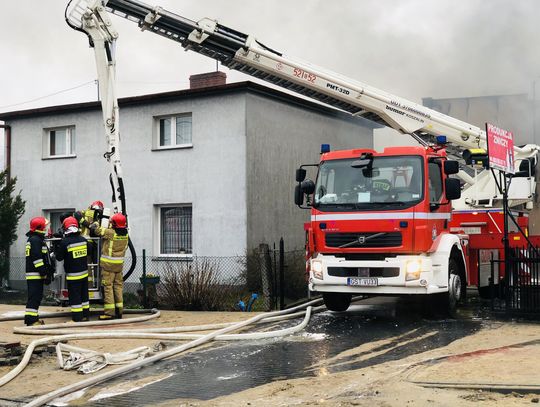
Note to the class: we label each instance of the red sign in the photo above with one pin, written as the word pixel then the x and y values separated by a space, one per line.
pixel 500 147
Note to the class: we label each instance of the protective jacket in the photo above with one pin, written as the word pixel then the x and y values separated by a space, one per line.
pixel 86 217
pixel 114 246
pixel 73 249
pixel 38 260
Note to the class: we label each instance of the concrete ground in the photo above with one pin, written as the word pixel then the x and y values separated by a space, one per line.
pixel 378 353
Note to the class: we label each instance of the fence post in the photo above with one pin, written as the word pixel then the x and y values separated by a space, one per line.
pixel 281 274
pixel 265 281
pixel 145 296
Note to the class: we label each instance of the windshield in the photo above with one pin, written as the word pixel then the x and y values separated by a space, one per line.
pixel 388 181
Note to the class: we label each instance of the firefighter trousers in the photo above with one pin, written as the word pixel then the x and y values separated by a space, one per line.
pixel 35 295
pixel 78 299
pixel 113 286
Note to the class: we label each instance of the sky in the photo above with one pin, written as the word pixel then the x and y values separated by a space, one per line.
pixel 410 48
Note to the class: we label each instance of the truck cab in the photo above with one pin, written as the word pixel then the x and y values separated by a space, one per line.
pixel 380 224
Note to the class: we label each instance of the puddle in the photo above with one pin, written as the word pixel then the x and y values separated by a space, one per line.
pixel 365 335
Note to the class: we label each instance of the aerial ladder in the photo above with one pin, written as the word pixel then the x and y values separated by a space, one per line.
pixel 244 53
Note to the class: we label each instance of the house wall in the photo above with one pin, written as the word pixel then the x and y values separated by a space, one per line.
pixel 280 137
pixel 210 176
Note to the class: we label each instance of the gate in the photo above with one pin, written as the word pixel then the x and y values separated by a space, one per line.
pixel 519 291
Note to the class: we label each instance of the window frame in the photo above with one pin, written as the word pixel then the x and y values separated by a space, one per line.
pixel 70 142
pixel 158 232
pixel 435 162
pixel 47 213
pixel 173 118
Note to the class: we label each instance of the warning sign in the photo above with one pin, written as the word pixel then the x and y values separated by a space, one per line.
pixel 500 144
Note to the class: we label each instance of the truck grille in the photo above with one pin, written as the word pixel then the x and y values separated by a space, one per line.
pixel 363 271
pixel 371 239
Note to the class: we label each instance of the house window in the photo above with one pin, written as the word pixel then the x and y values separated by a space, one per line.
pixel 59 142
pixel 174 131
pixel 175 230
pixel 54 216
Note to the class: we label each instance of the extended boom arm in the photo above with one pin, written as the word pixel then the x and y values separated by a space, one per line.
pixel 91 18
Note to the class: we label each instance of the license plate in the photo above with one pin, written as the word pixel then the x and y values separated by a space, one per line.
pixel 362 282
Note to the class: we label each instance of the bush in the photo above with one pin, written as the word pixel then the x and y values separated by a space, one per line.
pixel 197 286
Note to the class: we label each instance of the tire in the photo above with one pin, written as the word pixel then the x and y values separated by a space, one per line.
pixel 447 303
pixel 338 302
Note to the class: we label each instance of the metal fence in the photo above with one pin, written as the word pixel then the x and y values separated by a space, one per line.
pixel 519 291
pixel 202 282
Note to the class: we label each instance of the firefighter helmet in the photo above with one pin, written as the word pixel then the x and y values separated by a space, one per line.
pixel 69 222
pixel 97 205
pixel 118 220
pixel 38 224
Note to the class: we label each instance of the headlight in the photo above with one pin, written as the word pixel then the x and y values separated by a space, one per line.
pixel 317 268
pixel 412 270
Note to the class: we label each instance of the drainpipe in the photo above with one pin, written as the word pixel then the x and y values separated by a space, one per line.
pixel 7 158
pixel 7 148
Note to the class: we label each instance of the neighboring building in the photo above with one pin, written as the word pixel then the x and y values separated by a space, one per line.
pixel 510 112
pixel 208 171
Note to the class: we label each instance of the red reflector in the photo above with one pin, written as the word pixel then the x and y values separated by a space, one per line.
pixel 65 293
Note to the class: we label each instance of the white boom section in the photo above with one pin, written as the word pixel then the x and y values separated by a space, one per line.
pixel 244 53
pixel 91 17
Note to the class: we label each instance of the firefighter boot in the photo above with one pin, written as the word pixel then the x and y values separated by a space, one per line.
pixel 105 317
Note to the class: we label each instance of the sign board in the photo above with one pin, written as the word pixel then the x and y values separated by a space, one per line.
pixel 500 148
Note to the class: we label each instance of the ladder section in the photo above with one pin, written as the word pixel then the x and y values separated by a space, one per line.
pixel 222 44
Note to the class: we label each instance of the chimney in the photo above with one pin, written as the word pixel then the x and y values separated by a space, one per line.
pixel 205 80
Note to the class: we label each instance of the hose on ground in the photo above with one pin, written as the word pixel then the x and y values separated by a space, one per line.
pixel 93 311
pixel 73 328
pixel 165 354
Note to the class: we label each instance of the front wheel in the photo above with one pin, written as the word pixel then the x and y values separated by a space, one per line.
pixel 447 303
pixel 337 301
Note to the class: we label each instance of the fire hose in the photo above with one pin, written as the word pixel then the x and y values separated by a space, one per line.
pixel 222 333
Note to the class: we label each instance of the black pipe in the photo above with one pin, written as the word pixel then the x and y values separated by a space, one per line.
pixel 281 274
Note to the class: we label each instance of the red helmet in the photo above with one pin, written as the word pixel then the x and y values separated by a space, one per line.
pixel 38 224
pixel 70 221
pixel 118 220
pixel 97 205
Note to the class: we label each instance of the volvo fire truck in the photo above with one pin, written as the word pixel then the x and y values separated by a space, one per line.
pixel 403 221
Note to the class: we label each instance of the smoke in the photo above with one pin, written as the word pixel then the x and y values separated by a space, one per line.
pixel 414 48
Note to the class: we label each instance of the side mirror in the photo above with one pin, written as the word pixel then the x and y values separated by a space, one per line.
pixel 453 188
pixel 451 167
pixel 298 196
pixel 307 186
pixel 300 174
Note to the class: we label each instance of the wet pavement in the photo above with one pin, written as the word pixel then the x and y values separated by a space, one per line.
pixel 390 330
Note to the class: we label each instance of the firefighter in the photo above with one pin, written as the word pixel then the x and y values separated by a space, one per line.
pixel 38 268
pixel 115 243
pixel 86 218
pixel 73 249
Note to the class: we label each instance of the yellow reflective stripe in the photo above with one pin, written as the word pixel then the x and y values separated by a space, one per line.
pixel 119 305
pixel 112 261
pixel 108 306
pixel 86 306
pixel 68 277
pixel 80 246
pixel 39 264
pixel 34 277
pixel 32 314
pixel 117 237
pixel 76 309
